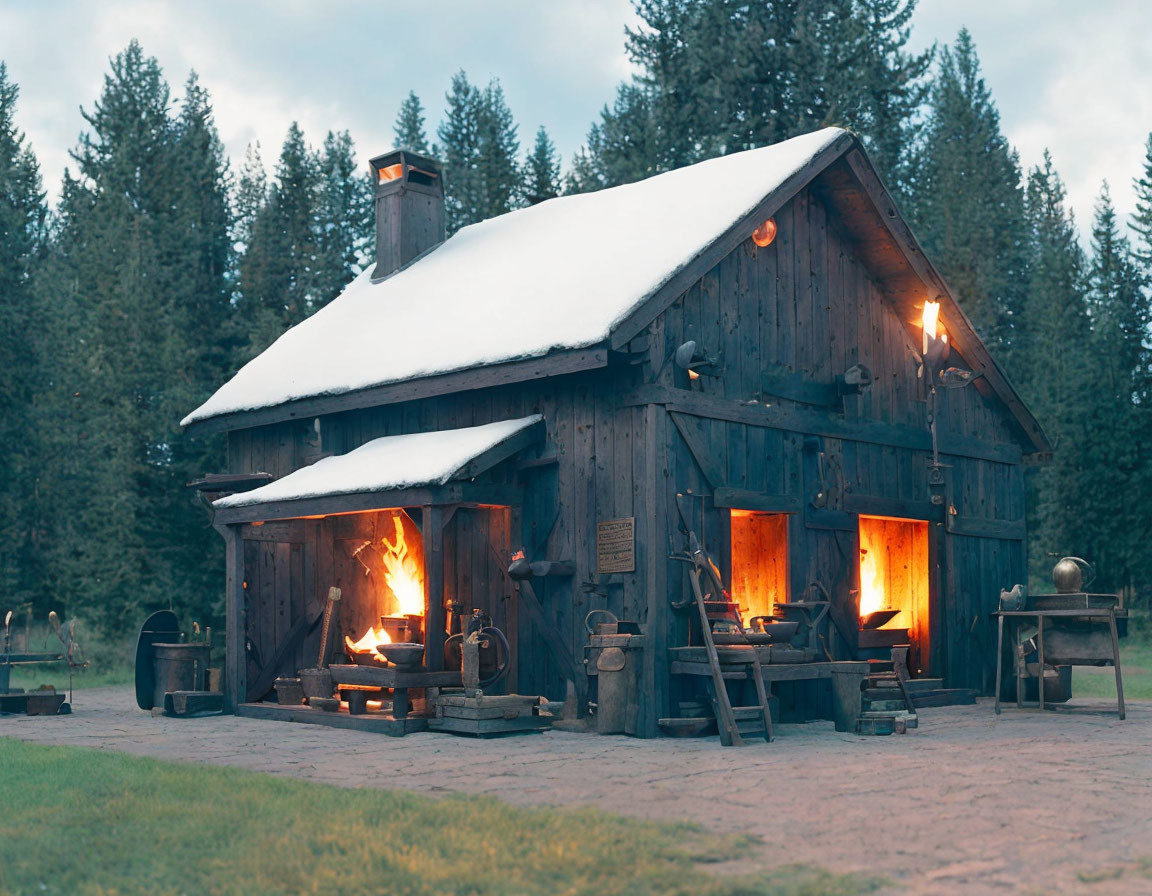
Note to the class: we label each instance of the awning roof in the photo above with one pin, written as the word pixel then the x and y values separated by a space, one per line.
pixel 392 464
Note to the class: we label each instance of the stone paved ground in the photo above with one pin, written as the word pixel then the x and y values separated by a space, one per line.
pixel 1059 802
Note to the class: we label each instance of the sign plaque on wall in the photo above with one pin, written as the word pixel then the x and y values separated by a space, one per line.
pixel 616 545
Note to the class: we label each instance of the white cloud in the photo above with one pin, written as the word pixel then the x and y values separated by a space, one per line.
pixel 1072 78
pixel 1075 78
pixel 331 66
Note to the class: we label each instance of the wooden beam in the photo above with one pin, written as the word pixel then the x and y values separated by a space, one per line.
pixel 877 505
pixel 552 364
pixel 292 640
pixel 814 422
pixel 975 527
pixel 332 505
pixel 710 255
pixel 547 629
pixel 286 532
pixel 689 429
pixel 741 499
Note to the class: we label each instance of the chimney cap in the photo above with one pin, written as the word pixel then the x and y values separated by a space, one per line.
pixel 413 158
pixel 404 167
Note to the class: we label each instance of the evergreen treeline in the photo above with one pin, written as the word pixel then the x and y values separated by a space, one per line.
pixel 162 270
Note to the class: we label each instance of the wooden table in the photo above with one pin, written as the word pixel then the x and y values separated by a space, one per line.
pixel 736 664
pixel 1093 655
pixel 399 680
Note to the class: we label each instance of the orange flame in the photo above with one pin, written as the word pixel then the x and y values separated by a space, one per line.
pixel 930 321
pixel 930 317
pixel 402 573
pixel 367 644
pixel 871 584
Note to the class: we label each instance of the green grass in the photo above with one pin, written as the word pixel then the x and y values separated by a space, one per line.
pixel 1135 670
pixel 109 662
pixel 81 821
pixel 56 674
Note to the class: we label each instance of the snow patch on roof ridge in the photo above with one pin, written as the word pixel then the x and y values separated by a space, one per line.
pixel 391 462
pixel 553 276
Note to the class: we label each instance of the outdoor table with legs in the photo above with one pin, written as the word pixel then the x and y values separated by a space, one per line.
pixel 1092 653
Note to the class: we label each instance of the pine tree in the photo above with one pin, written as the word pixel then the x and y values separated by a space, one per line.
pixel 344 216
pixel 1142 219
pixel 278 287
pixel 1115 515
pixel 249 197
pixel 542 170
pixel 479 150
pixel 499 148
pixel 459 135
pixel 968 204
pixel 1051 378
pixel 202 212
pixel 621 148
pixel 409 127
pixel 893 89
pixel 720 76
pixel 22 222
pixel 137 278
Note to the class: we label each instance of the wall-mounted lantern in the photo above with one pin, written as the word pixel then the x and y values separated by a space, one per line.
pixel 691 357
pixel 936 349
pixel 763 235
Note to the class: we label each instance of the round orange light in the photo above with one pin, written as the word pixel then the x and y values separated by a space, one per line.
pixel 763 235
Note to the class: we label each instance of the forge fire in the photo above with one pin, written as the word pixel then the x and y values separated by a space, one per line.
pixel 399 560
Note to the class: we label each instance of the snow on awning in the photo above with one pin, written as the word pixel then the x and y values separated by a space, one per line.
pixel 395 462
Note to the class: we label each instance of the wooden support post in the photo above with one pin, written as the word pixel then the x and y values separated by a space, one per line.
pixel 651 503
pixel 999 657
pixel 236 614
pixel 1116 662
pixel 1040 659
pixel 400 701
pixel 434 518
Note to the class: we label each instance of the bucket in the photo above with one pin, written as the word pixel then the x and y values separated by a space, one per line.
pixel 179 667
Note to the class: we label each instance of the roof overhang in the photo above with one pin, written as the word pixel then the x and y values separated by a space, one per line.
pixel 421 469
pixel 552 364
pixel 843 177
pixel 896 259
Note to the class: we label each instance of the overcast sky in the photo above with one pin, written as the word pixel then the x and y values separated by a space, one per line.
pixel 1070 76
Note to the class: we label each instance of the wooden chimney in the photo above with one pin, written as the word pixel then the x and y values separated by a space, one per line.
pixel 409 208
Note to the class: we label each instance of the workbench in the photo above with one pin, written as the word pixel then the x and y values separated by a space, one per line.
pixel 1093 641
pixel 847 677
pixel 23 659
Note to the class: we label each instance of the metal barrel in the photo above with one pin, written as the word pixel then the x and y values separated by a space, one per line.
pixel 179 667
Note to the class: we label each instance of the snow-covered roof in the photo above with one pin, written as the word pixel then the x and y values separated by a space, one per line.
pixel 392 462
pixel 558 275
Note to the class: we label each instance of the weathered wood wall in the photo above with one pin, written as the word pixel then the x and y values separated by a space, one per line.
pixel 590 470
pixel 764 435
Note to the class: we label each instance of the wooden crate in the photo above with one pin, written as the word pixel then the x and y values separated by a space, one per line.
pixel 486 715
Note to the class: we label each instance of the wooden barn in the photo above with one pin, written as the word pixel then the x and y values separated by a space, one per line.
pixel 738 348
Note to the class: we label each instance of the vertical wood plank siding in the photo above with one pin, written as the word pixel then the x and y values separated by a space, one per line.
pixel 784 321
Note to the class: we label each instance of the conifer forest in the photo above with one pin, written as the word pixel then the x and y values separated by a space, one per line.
pixel 163 267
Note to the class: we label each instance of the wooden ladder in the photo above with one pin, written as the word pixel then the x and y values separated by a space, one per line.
pixel 727 716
